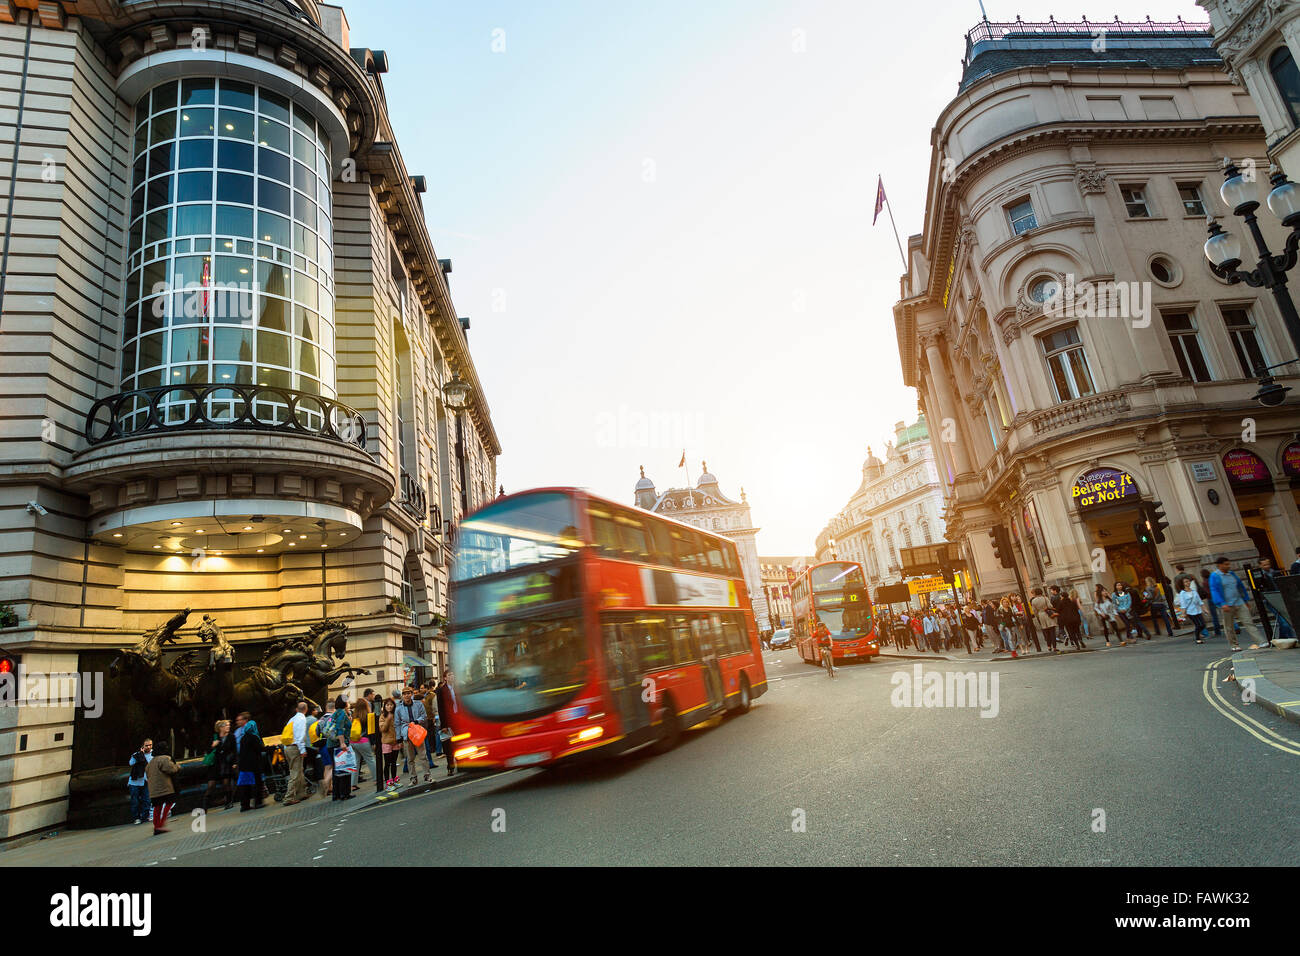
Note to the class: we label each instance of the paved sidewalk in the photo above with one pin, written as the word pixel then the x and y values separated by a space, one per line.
pixel 1276 674
pixel 1094 643
pixel 131 845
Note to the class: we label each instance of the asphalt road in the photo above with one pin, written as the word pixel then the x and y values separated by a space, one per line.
pixel 1130 733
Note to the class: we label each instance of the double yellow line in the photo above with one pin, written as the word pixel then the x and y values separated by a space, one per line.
pixel 1248 724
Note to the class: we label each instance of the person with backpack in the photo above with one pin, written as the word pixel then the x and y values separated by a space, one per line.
pixel 161 778
pixel 137 785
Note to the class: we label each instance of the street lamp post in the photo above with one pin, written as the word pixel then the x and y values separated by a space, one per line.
pixel 1223 250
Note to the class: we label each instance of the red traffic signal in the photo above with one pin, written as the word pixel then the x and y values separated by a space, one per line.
pixel 6 664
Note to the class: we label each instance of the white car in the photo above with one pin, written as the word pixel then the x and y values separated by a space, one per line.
pixel 780 639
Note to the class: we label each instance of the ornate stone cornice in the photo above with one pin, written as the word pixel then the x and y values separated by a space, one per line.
pixel 1247 26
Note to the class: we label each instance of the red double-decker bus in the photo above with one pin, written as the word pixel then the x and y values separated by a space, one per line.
pixel 834 593
pixel 578 624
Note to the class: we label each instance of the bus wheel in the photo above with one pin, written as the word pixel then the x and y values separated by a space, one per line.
pixel 742 705
pixel 670 729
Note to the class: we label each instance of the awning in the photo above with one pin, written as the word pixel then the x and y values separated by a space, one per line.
pixel 413 660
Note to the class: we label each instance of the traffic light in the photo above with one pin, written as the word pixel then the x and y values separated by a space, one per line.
pixel 1156 521
pixel 1141 531
pixel 8 663
pixel 1002 546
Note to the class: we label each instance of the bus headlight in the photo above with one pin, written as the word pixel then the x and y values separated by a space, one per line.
pixel 589 733
pixel 470 753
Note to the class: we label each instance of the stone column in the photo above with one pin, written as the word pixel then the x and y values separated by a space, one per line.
pixel 941 383
pixel 1283 518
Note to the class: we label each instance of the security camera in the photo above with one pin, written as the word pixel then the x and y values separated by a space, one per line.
pixel 35 509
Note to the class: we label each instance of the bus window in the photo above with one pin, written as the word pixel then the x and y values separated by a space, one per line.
pixel 681 636
pixel 699 547
pixel 604 532
pixel 684 549
pixel 734 629
pixel 633 536
pixel 661 544
pixel 716 561
pixel 650 637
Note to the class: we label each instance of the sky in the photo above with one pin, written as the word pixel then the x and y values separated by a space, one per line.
pixel 659 217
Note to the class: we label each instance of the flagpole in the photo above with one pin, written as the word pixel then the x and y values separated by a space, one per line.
pixel 895 227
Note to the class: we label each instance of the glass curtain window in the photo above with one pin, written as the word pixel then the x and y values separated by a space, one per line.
pixel 230 276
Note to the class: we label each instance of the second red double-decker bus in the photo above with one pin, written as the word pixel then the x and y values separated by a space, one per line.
pixel 578 624
pixel 834 593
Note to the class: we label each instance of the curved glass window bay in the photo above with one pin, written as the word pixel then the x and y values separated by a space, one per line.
pixel 230 277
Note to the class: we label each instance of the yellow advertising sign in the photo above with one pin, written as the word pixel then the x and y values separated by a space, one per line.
pixel 927 585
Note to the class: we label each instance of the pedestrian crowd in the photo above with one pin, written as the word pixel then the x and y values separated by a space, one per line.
pixel 1058 618
pixel 338 743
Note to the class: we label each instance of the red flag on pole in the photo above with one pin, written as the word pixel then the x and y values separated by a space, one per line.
pixel 682 463
pixel 880 198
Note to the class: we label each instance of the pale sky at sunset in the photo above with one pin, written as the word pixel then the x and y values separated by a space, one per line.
pixel 670 210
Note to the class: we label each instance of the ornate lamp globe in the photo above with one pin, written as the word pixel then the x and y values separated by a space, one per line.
pixel 1284 200
pixel 456 393
pixel 1223 249
pixel 1238 194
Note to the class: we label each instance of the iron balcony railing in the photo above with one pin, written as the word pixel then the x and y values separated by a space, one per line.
pixel 175 408
pixel 1052 27
pixel 414 499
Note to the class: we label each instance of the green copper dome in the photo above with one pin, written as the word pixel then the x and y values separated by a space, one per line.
pixel 914 433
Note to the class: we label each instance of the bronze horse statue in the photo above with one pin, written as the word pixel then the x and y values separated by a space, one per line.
pixel 141 666
pixel 190 693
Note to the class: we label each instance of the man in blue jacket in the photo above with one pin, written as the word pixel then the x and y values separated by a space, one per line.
pixel 1230 595
pixel 411 711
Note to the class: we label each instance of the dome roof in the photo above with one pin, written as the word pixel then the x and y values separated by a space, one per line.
pixel 706 478
pixel 913 433
pixel 645 484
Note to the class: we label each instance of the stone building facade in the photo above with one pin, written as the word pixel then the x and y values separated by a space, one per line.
pixel 1070 345
pixel 899 504
pixel 705 506
pixel 778 572
pixel 225 341
pixel 1259 40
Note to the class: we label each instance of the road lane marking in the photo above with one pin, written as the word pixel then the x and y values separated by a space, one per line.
pixel 1248 724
